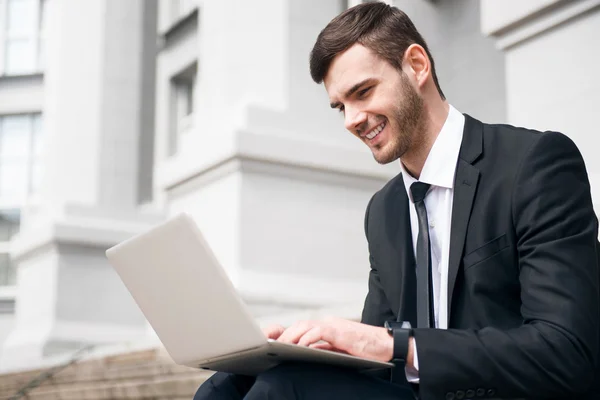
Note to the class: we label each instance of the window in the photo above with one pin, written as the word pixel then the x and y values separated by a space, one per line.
pixel 180 8
pixel 9 226
pixel 22 32
pixel 184 94
pixel 182 104
pixel 21 143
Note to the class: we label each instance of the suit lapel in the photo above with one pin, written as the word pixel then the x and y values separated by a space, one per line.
pixel 465 186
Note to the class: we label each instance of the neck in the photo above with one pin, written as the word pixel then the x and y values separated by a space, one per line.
pixel 434 117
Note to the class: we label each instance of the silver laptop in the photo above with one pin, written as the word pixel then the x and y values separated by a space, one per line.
pixel 186 296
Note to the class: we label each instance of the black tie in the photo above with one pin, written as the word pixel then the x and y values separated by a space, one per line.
pixel 425 314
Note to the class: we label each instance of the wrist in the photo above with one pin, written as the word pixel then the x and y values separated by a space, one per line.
pixel 410 356
pixel 387 345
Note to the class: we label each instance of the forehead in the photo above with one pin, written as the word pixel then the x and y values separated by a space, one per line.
pixel 353 65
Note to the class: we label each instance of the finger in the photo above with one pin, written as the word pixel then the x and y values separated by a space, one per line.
pixel 295 332
pixel 312 336
pixel 273 331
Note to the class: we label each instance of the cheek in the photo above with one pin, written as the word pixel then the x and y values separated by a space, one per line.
pixel 382 106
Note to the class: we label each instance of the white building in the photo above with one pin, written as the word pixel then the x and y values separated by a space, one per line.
pixel 117 114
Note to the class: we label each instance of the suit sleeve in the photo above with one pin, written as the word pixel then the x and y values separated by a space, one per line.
pixel 554 352
pixel 376 309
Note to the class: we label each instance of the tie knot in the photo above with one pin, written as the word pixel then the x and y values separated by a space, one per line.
pixel 419 190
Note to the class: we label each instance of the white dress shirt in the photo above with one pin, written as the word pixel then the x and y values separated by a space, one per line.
pixel 438 171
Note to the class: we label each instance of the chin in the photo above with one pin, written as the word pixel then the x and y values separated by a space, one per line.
pixel 386 154
pixel 384 158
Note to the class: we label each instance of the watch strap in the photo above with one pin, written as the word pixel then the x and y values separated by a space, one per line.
pixel 401 332
pixel 401 341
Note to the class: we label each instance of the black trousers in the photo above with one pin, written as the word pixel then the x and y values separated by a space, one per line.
pixel 302 381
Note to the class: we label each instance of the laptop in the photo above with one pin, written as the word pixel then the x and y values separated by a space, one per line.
pixel 195 310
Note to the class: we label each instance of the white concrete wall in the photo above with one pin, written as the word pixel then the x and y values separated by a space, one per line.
pixel 7 313
pixel 68 295
pixel 120 105
pixel 469 67
pixel 501 14
pixel 551 71
pixel 565 96
pixel 7 322
pixel 276 184
pixel 303 242
pixel 213 200
pixel 176 55
pixel 74 68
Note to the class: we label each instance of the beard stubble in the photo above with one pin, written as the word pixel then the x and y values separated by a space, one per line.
pixel 409 122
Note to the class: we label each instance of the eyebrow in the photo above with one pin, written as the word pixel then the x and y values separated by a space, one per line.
pixel 352 90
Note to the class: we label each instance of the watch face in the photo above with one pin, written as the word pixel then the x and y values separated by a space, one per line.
pixel 387 326
pixel 390 325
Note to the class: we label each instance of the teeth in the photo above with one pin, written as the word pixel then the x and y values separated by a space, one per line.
pixel 375 131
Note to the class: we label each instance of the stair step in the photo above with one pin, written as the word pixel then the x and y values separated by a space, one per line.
pixel 87 367
pixel 157 387
pixel 144 365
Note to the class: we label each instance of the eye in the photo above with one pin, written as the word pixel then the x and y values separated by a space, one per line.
pixel 341 109
pixel 362 93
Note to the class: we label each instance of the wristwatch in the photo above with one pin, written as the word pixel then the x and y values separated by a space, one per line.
pixel 401 332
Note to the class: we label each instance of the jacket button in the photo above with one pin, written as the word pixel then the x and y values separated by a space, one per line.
pixel 491 392
pixel 460 394
pixel 449 396
pixel 480 392
pixel 470 394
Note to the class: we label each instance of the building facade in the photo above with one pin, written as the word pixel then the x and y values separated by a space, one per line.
pixel 115 115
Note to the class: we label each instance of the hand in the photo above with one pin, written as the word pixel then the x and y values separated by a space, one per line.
pixel 273 331
pixel 341 335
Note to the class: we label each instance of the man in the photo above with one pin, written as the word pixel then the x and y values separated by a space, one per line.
pixel 486 242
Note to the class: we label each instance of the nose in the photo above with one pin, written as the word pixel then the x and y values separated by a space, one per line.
pixel 353 119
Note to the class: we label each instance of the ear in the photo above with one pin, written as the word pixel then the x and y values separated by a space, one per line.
pixel 416 64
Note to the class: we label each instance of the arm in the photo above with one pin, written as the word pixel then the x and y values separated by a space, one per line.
pixel 376 309
pixel 554 352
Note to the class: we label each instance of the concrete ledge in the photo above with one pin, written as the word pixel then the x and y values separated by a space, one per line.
pixel 540 21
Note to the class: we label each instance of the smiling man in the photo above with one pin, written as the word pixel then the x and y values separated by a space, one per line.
pixel 484 249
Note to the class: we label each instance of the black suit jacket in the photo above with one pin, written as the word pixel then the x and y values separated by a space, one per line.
pixel 523 280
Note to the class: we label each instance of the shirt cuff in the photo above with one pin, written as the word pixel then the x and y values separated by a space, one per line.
pixel 412 374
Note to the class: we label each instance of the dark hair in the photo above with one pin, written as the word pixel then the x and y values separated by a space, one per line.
pixel 385 30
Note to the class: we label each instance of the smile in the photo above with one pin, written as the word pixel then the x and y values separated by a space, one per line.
pixel 375 131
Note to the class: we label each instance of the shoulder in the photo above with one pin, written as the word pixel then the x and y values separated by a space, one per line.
pixel 508 135
pixel 393 187
pixel 389 201
pixel 520 139
pixel 508 146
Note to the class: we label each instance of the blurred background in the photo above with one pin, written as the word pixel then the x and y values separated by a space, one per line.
pixel 117 114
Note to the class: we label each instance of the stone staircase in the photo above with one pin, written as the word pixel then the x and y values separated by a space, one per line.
pixel 146 374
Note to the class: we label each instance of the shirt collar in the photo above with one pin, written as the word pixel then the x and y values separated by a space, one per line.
pixel 440 166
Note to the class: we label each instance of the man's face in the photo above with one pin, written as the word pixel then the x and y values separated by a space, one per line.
pixel 379 104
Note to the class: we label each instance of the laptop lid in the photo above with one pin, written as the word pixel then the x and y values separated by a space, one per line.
pixel 184 292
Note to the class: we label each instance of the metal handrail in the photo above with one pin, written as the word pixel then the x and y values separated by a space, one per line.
pixel 49 373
